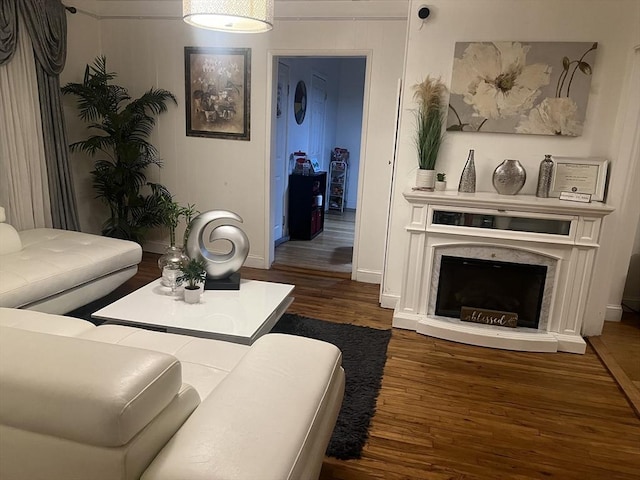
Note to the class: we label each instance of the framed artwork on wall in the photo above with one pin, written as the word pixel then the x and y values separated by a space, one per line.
pixel 217 92
pixel 535 88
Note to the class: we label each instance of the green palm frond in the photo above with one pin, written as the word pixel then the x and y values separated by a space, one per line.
pixel 121 128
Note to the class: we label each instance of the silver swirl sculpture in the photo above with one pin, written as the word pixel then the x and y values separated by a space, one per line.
pixel 218 265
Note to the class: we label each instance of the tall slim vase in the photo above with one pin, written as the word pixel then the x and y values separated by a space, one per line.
pixel 468 178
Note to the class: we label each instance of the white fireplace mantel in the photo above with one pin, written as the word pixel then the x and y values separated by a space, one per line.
pixel 560 234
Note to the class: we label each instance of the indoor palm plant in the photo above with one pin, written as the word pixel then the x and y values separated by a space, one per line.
pixel 193 274
pixel 430 119
pixel 120 130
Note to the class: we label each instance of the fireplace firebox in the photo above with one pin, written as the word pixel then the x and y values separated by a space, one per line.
pixel 487 284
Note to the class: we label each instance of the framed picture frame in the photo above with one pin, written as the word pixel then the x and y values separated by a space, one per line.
pixel 218 92
pixel 579 175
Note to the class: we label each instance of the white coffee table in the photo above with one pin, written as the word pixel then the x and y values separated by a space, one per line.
pixel 240 316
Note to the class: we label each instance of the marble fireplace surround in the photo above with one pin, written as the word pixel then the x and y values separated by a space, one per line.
pixel 499 254
pixel 568 255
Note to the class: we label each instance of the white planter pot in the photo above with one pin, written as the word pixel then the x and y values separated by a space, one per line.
pixel 425 179
pixel 441 186
pixel 192 296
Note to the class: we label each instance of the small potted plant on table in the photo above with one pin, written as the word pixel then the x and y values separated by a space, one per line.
pixel 193 274
pixel 441 182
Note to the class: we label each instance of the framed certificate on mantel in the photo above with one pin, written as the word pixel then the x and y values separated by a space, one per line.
pixel 579 175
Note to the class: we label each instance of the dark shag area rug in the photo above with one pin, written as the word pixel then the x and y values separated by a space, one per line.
pixel 364 353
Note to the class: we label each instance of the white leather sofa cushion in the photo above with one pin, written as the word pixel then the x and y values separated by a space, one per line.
pixel 87 392
pixel 9 239
pixel 44 322
pixel 34 456
pixel 53 261
pixel 205 362
pixel 248 428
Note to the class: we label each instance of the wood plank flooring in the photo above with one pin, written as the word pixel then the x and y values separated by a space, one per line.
pixel 331 250
pixel 619 349
pixel 453 411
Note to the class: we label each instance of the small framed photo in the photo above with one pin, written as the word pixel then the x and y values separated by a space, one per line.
pixel 579 175
pixel 217 87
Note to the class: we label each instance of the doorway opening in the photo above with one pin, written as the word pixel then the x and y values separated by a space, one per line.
pixel 318 111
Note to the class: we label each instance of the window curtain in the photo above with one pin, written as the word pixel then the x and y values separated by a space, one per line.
pixel 46 23
pixel 24 187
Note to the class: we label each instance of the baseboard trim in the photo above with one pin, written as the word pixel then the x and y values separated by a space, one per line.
pixel 253 261
pixel 368 276
pixel 613 313
pixel 389 301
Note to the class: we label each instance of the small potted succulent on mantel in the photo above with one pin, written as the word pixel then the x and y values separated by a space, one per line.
pixel 430 119
pixel 193 274
pixel 441 182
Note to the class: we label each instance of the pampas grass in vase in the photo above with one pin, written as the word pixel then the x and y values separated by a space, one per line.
pixel 430 119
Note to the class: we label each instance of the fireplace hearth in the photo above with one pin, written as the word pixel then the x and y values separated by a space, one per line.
pixel 520 254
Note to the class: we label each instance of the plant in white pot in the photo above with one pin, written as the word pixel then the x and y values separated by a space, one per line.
pixel 441 182
pixel 430 119
pixel 193 275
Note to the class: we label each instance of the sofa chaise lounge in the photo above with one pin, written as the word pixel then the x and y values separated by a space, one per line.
pixel 80 402
pixel 56 271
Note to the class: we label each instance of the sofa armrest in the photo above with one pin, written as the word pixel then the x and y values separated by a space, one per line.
pixel 270 418
pixel 76 389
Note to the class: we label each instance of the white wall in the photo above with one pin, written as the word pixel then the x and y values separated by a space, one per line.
pixel 613 24
pixel 349 121
pixel 148 51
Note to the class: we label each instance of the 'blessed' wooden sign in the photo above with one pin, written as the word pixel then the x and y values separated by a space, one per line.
pixel 489 317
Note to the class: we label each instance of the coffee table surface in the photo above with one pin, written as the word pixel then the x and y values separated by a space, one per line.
pixel 239 316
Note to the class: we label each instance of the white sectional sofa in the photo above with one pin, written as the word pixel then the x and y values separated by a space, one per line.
pixel 113 402
pixel 56 271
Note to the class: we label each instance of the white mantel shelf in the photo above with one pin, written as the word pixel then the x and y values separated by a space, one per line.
pixel 523 203
pixel 559 234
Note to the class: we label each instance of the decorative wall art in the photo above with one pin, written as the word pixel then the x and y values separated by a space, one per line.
pixel 217 84
pixel 537 88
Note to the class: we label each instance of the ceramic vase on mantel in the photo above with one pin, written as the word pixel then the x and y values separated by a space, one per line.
pixel 425 179
pixel 468 178
pixel 509 177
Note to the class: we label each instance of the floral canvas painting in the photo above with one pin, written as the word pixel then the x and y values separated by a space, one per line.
pixel 539 88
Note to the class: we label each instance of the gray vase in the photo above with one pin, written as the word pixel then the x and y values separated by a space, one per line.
pixel 468 178
pixel 509 177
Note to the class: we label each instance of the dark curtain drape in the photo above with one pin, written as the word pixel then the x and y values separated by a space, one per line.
pixel 46 23
pixel 8 29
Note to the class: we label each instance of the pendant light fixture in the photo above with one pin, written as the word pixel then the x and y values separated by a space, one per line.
pixel 242 16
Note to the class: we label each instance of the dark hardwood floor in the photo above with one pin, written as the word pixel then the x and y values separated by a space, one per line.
pixel 331 250
pixel 453 411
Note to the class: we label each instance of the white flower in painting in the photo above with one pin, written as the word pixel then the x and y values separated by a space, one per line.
pixel 496 81
pixel 553 116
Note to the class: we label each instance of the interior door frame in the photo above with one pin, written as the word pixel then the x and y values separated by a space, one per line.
pixel 272 79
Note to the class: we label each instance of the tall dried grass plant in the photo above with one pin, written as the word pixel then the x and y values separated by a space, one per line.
pixel 430 118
